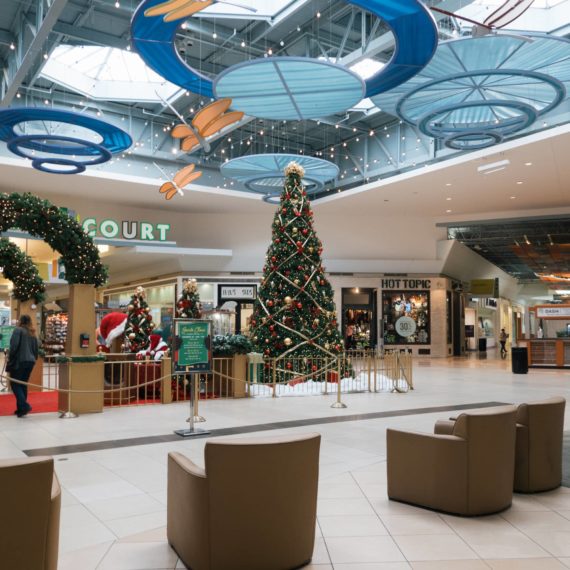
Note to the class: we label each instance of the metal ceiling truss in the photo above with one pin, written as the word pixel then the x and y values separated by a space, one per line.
pixel 343 33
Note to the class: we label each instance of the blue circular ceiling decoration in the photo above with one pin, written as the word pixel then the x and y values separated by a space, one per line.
pixel 412 24
pixel 415 33
pixel 264 173
pixel 473 141
pixel 153 39
pixel 492 84
pixel 290 88
pixel 503 117
pixel 113 139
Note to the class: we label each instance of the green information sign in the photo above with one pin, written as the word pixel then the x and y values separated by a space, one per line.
pixel 192 345
pixel 5 336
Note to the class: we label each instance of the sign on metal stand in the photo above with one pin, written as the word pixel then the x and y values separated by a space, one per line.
pixel 192 355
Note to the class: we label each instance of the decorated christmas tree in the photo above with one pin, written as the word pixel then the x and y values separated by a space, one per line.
pixel 294 314
pixel 188 304
pixel 139 323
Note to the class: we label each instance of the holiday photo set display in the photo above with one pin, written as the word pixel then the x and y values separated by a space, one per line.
pixel 405 317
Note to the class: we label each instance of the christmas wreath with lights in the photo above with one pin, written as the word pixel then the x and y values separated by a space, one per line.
pixel 20 269
pixel 61 232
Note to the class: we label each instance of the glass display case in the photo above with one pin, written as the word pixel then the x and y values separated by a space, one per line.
pixel 405 317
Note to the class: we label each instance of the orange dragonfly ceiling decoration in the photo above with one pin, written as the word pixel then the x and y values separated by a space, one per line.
pixel 177 9
pixel 207 122
pixel 181 179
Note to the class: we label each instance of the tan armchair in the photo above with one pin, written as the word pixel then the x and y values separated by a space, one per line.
pixel 468 472
pixel 252 508
pixel 540 432
pixel 29 517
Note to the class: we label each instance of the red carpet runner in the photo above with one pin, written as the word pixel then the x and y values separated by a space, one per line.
pixel 40 402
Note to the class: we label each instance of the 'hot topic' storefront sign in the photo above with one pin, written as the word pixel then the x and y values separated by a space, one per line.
pixel 406 284
pixel 126 230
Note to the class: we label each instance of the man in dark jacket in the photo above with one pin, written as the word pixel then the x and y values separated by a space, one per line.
pixel 21 360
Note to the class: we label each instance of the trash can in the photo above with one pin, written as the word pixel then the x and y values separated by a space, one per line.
pixel 483 344
pixel 519 360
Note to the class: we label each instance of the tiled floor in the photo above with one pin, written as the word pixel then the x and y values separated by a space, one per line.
pixel 114 501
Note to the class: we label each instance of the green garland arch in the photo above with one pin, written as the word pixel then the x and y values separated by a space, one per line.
pixel 20 269
pixel 65 235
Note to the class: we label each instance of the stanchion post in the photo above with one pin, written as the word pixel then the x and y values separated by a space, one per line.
pixel 68 414
pixel 191 431
pixel 197 416
pixel 274 378
pixel 338 403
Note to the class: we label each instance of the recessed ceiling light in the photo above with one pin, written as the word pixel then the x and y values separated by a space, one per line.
pixel 448 184
pixel 519 182
pixel 448 211
pixel 528 163
pixel 448 198
pixel 513 197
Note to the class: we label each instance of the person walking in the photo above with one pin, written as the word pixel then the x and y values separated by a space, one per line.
pixel 21 360
pixel 503 340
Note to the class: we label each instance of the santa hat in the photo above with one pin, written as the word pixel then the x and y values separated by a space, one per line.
pixel 156 349
pixel 112 326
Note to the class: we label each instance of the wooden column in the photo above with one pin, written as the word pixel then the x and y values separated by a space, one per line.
pixel 81 375
pixel 81 320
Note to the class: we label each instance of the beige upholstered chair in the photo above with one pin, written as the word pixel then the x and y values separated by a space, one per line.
pixel 540 432
pixel 469 472
pixel 252 508
pixel 29 516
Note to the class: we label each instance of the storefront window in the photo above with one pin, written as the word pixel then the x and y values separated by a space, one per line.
pixel 406 317
pixel 359 318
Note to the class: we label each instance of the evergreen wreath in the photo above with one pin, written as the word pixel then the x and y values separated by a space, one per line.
pixel 62 233
pixel 20 269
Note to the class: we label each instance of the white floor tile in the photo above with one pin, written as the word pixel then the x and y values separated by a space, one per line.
pixel 139 556
pixel 434 547
pixel 85 559
pixel 537 521
pixel 356 525
pixel 505 546
pixel 363 549
pixel 135 525
pixel 526 564
pixel 121 507
pixel 331 507
pixel 557 543
pixel 416 524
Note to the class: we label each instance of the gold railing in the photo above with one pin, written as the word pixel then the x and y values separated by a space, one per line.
pixel 129 382
pixel 351 372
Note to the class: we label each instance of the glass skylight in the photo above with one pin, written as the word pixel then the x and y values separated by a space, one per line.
pixel 367 67
pixel 107 74
pixel 542 16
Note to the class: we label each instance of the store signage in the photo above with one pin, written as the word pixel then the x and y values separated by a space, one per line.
pixel 228 292
pixel 545 312
pixel 484 288
pixel 406 283
pixel 5 336
pixel 127 230
pixel 193 351
pixel 406 326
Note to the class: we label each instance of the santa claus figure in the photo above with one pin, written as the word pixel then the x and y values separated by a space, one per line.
pixel 112 328
pixel 155 351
